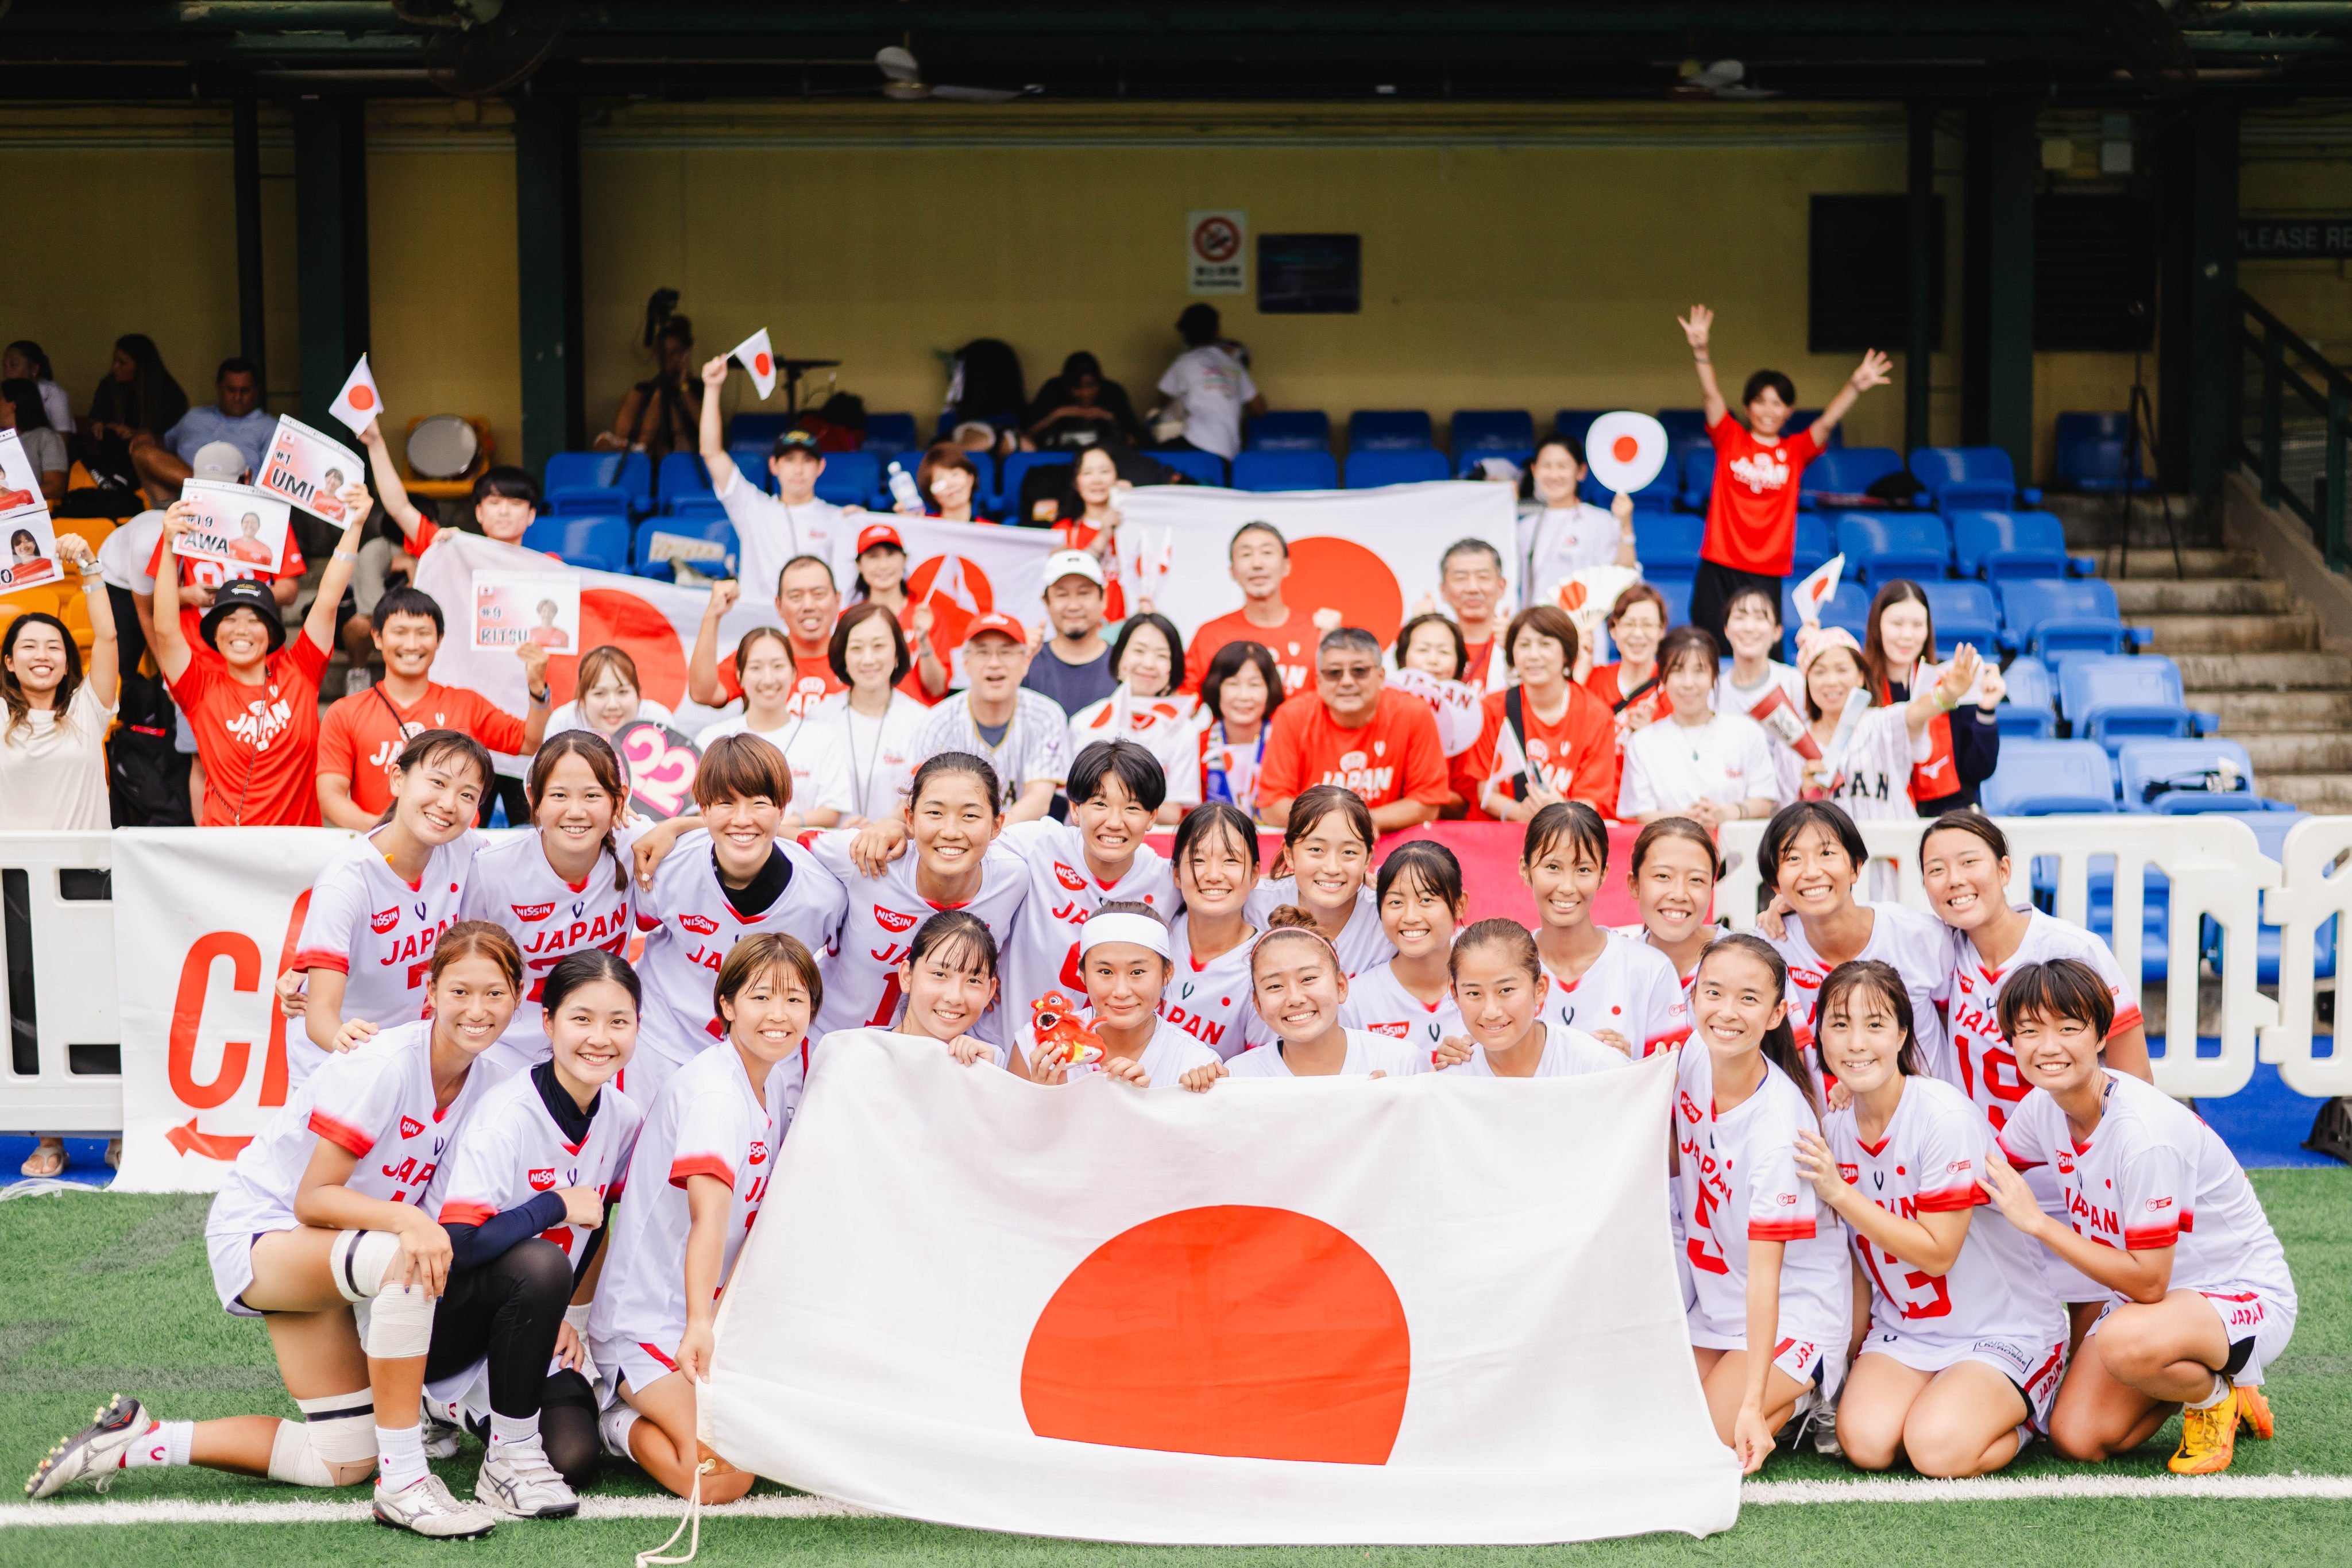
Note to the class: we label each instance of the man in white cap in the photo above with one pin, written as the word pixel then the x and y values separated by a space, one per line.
pixel 1073 668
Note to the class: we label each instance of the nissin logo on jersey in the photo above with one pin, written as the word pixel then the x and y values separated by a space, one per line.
pixel 543 1180
pixel 1691 1111
pixel 892 921
pixel 1850 1174
pixel 759 1153
pixel 1393 1031
pixel 383 920
pixel 532 911
pixel 701 925
pixel 1069 879
pixel 410 1127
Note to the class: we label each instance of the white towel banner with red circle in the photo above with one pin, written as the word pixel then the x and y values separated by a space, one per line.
pixel 1625 451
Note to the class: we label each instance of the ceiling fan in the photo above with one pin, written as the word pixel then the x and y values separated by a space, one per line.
pixel 902 79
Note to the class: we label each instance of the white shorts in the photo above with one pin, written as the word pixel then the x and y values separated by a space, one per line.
pixel 2032 1367
pixel 1815 1357
pixel 2257 1323
pixel 633 1361
pixel 231 1252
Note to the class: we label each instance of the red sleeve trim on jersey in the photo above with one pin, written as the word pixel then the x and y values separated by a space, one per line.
pixel 1780 1230
pixel 322 958
pixel 2128 1018
pixel 1667 1041
pixel 456 1212
pixel 1950 1200
pixel 647 922
pixel 2017 1162
pixel 353 1140
pixel 2148 1238
pixel 699 1165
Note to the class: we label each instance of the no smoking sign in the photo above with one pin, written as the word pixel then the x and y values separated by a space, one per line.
pixel 1215 252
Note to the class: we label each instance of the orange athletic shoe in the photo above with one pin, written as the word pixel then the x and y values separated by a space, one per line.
pixel 2253 1410
pixel 2209 1438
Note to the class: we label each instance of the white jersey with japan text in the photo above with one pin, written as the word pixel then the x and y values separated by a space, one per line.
pixel 880 916
pixel 1210 998
pixel 1632 988
pixel 513 886
pixel 377 929
pixel 511 1150
pixel 1043 955
pixel 1366 1053
pixel 1378 1001
pixel 1567 1053
pixel 1981 1063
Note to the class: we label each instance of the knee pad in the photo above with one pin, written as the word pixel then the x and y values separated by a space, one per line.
pixel 332 1445
pixel 397 1324
pixel 359 1260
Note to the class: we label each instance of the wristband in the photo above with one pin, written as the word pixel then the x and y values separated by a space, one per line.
pixel 347 555
pixel 576 1317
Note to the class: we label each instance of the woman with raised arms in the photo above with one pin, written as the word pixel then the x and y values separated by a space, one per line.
pixel 324 1213
pixel 1964 1340
pixel 1422 902
pixel 1498 986
pixel 1328 844
pixel 1123 956
pixel 1216 864
pixel 1621 991
pixel 1298 986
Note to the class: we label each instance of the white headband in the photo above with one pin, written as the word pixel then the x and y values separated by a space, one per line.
pixel 1121 926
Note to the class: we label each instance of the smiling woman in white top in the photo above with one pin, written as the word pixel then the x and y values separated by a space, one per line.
pixel 763 662
pixel 1145 708
pixel 1560 533
pixel 1708 766
pixel 874 723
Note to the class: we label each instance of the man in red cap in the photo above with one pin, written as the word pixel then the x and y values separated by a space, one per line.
pixel 1024 734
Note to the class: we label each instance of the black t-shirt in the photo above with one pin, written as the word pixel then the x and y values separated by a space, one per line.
pixel 1074 685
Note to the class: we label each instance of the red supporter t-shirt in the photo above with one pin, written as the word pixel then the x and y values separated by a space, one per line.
pixel 360 738
pixel 1292 644
pixel 1576 758
pixel 1482 654
pixel 1395 757
pixel 1751 518
pixel 812 682
pixel 260 744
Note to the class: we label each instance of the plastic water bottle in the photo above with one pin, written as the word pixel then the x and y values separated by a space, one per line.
pixel 902 487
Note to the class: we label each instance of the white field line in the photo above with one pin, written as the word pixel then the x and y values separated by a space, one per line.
pixel 1904 1490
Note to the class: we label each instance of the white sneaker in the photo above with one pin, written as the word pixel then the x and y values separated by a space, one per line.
pixel 93 1454
pixel 520 1481
pixel 426 1508
pixel 440 1438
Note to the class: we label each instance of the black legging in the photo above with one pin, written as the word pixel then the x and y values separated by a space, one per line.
pixel 510 1310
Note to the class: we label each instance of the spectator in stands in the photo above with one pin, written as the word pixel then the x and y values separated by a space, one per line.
pixel 251 696
pixel 764 665
pixel 808 605
pixel 23 411
pixel 1561 533
pixel 882 580
pixel 1379 743
pixel 53 742
pixel 1630 687
pixel 769 529
pixel 663 414
pixel 138 395
pixel 1752 518
pixel 1241 689
pixel 986 391
pixel 877 722
pixel 1239 694
pixel 25 360
pixel 1149 658
pixel 1210 385
pixel 1079 408
pixel 506 503
pixel 1470 581
pixel 236 417
pixel 946 486
pixel 1430 644
pixel 1711 767
pixel 361 738
pixel 1259 560
pixel 1073 666
pixel 1545 738
pixel 1751 624
pixel 1087 516
pixel 610 697
pixel 1900 659
pixel 1024 734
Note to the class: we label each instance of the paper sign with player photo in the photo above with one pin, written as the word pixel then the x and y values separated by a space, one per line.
pixel 32 555
pixel 20 487
pixel 513 608
pixel 310 470
pixel 236 525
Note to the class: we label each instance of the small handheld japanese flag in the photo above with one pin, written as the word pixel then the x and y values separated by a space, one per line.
pixel 359 403
pixel 1817 590
pixel 760 359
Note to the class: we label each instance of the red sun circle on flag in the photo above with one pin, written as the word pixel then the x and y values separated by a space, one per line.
pixel 362 397
pixel 1625 448
pixel 611 616
pixel 1342 574
pixel 763 365
pixel 1250 1332
pixel 957 589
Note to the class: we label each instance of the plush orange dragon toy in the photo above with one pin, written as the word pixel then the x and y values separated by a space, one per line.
pixel 1062 1039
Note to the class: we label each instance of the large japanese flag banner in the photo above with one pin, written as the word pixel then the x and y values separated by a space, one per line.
pixel 1316 1310
pixel 204 921
pixel 964 570
pixel 1368 555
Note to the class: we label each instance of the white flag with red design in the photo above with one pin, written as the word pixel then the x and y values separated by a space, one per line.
pixel 757 357
pixel 1214 1333
pixel 1820 586
pixel 359 404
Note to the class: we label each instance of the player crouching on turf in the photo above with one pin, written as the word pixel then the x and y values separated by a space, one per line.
pixel 540 1157
pixel 2161 1215
pixel 702 1163
pixel 321 1233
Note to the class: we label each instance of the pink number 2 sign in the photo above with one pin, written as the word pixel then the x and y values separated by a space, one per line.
pixel 661 764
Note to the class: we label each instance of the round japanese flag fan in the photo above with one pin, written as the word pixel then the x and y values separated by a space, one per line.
pixel 1625 451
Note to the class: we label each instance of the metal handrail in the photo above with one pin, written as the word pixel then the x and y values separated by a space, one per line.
pixel 2272 341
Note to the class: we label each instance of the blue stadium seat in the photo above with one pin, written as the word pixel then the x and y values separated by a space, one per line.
pixel 1803 419
pixel 1658 495
pixel 641 559
pixel 636 482
pixel 888 434
pixel 1683 424
pixel 2177 778
pixel 1697 465
pixel 2090 453
pixel 680 473
pixel 1491 432
pixel 691 505
pixel 1573 423
pixel 1205 467
pixel 687 498
pixel 1996 545
pixel 585 483
pixel 1369 469
pixel 1963 613
pixel 598 543
pixel 756 430
pixel 850 478
pixel 1882 546
pixel 1290 430
pixel 1811 544
pixel 2112 699
pixel 1285 471
pixel 1849 607
pixel 1465 466
pixel 1676 592
pixel 751 461
pixel 1840 476
pixel 1969 477
pixel 2045 615
pixel 1017 467
pixel 2029 711
pixel 1390 430
pixel 2046 778
pixel 1668 546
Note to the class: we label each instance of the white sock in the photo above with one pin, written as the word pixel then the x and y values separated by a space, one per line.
pixel 400 1457
pixel 511 1432
pixel 164 1443
pixel 2221 1391
pixel 616 1424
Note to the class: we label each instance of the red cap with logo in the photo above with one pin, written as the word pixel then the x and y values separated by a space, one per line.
pixel 875 533
pixel 999 623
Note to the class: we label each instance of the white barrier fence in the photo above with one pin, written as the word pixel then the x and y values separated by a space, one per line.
pixel 60 985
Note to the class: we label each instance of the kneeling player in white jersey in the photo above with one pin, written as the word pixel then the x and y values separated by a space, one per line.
pixel 1769 1326
pixel 1411 998
pixel 1123 957
pixel 324 1213
pixel 1499 985
pixel 1621 992
pixel 523 1205
pixel 1299 985
pixel 1966 1340
pixel 1328 843
pixel 2160 1213
pixel 701 1168
pixel 730 880
pixel 375 913
pixel 564 888
pixel 1672 877
pixel 1216 863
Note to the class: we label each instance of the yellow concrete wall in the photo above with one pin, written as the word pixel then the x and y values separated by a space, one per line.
pixel 2298 163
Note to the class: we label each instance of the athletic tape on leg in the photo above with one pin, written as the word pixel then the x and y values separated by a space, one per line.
pixel 338 1429
pixel 359 1260
pixel 399 1324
